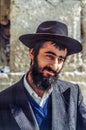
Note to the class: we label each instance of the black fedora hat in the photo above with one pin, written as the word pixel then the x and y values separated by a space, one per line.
pixel 54 31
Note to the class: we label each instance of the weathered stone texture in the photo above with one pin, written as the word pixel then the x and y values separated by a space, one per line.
pixel 7 79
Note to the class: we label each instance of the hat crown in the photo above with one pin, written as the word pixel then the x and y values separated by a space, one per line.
pixel 53 27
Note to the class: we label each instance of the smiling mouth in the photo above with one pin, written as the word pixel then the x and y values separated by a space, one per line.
pixel 48 73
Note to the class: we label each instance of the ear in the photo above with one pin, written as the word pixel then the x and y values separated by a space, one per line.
pixel 31 54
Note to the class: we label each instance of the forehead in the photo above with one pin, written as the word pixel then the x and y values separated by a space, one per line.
pixel 50 46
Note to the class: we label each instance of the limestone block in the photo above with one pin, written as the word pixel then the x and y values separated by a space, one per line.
pixel 7 79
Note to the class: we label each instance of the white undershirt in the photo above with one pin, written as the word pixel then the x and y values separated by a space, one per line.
pixel 40 100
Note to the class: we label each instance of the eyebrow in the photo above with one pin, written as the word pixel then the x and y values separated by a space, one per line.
pixel 49 52
pixel 52 53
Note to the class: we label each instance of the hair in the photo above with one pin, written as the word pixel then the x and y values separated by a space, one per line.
pixel 39 44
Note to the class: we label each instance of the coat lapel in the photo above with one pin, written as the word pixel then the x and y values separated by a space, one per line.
pixel 21 109
pixel 60 108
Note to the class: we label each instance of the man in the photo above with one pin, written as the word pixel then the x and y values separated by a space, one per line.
pixel 40 101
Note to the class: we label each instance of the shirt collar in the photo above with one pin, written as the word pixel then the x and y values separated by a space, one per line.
pixel 40 100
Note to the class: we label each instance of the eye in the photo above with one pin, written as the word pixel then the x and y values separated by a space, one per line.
pixel 49 57
pixel 61 59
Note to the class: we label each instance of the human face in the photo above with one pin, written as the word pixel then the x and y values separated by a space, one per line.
pixel 46 66
pixel 52 57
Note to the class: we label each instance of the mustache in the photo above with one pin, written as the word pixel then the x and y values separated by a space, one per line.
pixel 49 69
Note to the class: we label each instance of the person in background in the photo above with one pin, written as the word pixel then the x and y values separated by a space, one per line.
pixel 40 100
pixel 4 44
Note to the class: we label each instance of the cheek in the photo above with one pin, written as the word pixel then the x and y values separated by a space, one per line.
pixel 42 62
pixel 41 66
pixel 60 66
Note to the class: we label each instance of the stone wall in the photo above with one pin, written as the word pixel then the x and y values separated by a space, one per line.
pixel 25 16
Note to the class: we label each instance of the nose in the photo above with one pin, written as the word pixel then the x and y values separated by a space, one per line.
pixel 55 64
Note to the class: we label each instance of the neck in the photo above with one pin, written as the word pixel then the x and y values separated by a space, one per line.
pixel 39 92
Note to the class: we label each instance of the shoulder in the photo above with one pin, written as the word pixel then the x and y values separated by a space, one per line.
pixel 7 95
pixel 65 85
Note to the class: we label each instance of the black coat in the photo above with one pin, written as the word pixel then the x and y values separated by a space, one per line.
pixel 68 110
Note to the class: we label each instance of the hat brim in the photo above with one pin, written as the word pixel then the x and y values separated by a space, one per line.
pixel 72 45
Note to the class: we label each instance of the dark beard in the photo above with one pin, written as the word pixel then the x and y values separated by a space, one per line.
pixel 42 82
